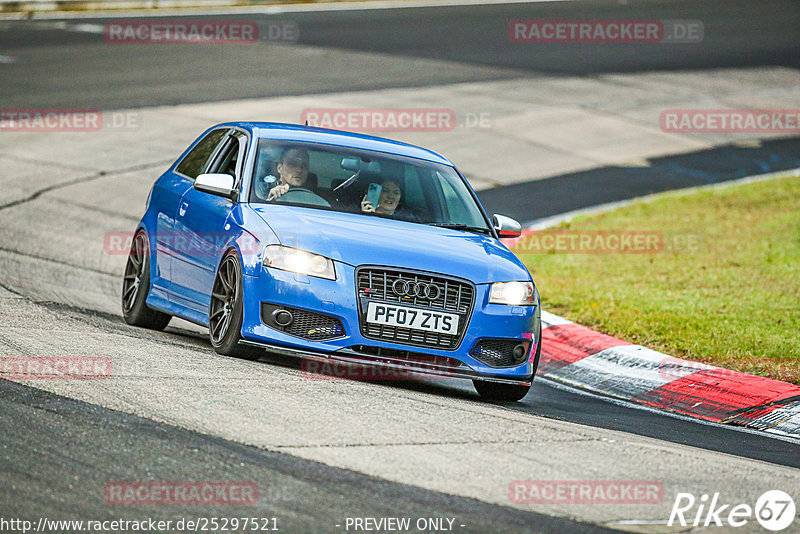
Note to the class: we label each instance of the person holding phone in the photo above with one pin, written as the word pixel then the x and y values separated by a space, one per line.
pixel 389 197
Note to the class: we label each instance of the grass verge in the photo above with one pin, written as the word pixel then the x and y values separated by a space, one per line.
pixel 711 276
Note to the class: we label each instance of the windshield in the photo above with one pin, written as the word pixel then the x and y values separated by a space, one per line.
pixel 370 183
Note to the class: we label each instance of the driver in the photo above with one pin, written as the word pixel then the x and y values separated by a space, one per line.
pixel 292 171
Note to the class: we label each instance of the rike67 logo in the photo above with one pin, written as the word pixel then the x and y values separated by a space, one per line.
pixel 774 510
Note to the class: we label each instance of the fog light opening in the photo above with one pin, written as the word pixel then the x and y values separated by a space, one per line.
pixel 282 317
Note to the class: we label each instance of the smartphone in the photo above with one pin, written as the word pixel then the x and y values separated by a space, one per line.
pixel 373 194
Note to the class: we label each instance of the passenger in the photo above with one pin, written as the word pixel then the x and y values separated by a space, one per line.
pixel 390 202
pixel 292 172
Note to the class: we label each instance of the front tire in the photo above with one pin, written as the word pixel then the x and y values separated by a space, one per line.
pixel 136 286
pixel 506 392
pixel 225 312
pixel 500 392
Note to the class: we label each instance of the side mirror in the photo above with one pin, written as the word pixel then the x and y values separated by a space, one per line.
pixel 215 184
pixel 506 226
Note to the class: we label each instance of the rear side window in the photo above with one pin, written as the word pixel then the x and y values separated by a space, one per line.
pixel 194 162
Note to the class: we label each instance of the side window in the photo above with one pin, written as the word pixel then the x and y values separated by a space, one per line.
pixel 225 162
pixel 193 163
pixel 230 165
pixel 229 159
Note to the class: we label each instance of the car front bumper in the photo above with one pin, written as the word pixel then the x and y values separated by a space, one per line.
pixel 338 299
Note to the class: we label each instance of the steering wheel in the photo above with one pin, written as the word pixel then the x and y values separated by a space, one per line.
pixel 301 195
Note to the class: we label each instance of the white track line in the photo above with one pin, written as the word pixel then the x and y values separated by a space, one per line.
pixel 85 27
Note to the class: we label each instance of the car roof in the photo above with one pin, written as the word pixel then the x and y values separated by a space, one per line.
pixel 310 134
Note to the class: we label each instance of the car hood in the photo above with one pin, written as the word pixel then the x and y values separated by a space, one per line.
pixel 361 240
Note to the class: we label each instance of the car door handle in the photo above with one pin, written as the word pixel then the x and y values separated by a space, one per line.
pixel 184 207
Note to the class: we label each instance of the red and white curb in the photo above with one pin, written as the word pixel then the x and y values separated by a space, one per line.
pixel 582 358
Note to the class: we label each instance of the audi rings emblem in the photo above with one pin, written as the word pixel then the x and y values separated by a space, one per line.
pixel 410 288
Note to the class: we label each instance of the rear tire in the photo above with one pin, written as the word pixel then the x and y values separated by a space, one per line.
pixel 136 286
pixel 225 312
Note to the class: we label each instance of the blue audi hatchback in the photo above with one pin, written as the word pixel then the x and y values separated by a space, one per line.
pixel 337 247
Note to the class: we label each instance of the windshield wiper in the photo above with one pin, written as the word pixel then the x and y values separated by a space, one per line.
pixel 460 226
pixel 347 183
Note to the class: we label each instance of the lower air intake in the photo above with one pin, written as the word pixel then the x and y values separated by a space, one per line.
pixel 501 352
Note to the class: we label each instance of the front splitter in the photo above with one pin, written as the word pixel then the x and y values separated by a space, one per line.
pixel 406 366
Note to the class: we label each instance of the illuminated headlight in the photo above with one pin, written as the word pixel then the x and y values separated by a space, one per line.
pixel 513 293
pixel 298 261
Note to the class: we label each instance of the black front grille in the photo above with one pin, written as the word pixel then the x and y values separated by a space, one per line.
pixel 305 324
pixel 500 352
pixel 454 296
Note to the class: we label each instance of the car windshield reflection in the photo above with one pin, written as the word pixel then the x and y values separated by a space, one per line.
pixel 364 182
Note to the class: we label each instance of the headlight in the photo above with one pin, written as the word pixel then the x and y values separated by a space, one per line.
pixel 513 293
pixel 298 261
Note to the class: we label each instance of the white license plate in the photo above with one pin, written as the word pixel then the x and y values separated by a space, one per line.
pixel 414 318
